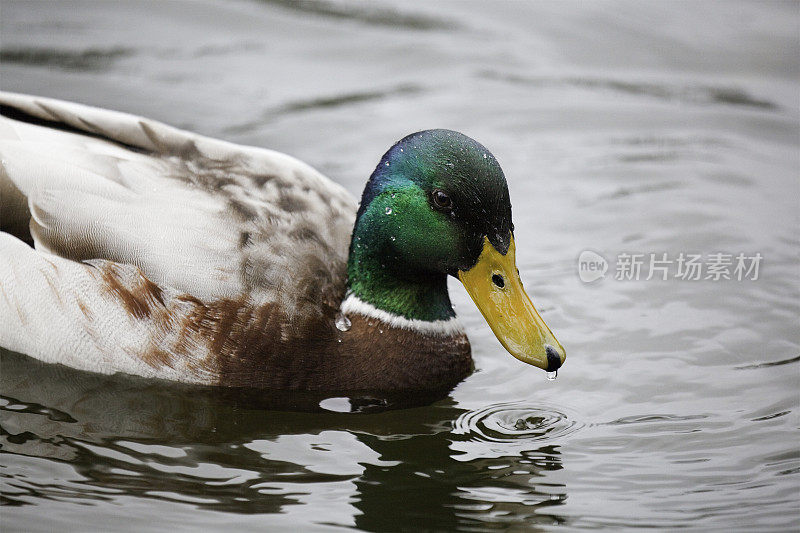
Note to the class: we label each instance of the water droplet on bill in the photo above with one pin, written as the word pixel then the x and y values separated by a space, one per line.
pixel 551 376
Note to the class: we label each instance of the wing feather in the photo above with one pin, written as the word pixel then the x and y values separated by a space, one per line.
pixel 204 216
pixel 107 317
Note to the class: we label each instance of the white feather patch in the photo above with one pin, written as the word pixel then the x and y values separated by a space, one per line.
pixel 206 217
pixel 445 328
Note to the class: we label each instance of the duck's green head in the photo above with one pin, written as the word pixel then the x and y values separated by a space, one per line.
pixel 437 204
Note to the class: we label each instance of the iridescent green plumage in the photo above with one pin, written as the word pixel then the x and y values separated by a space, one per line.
pixel 403 246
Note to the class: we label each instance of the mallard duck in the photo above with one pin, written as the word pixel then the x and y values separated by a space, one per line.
pixel 131 246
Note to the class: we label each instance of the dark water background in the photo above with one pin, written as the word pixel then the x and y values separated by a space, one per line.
pixel 638 127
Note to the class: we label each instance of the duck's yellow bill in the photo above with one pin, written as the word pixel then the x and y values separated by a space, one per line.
pixel 495 287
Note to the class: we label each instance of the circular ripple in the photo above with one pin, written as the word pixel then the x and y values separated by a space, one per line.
pixel 513 422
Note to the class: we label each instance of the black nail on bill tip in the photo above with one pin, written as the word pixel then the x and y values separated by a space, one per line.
pixel 553 360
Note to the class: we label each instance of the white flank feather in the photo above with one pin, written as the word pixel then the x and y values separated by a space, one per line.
pixel 58 311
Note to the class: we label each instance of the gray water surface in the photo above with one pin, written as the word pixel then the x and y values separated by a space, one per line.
pixel 622 127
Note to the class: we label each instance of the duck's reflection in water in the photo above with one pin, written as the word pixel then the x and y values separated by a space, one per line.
pixel 80 437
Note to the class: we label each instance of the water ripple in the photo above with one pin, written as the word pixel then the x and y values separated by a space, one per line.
pixel 770 363
pixel 324 103
pixel 514 422
pixel 690 94
pixel 87 60
pixel 367 15
pixel 8 403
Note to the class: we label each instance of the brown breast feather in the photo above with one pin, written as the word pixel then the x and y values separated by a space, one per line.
pixel 236 342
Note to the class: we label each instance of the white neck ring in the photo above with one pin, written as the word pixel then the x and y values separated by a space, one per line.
pixel 444 328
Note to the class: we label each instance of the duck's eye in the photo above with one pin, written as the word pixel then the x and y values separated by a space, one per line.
pixel 441 200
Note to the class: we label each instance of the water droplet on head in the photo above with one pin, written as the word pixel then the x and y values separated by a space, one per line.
pixel 484 156
pixel 392 238
pixel 551 376
pixel 342 322
pixel 387 163
pixel 388 210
